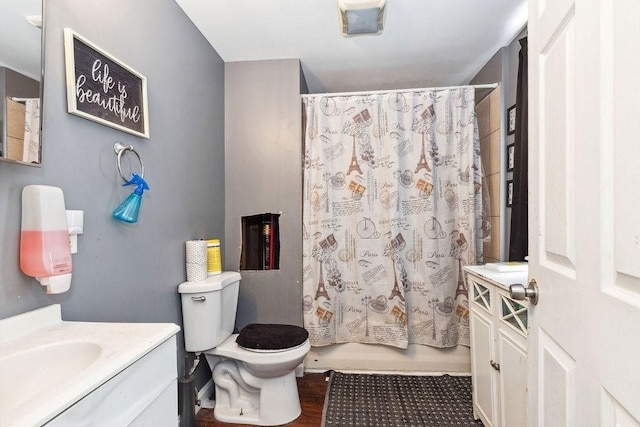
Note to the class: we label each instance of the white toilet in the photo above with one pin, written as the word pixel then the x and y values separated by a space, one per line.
pixel 254 377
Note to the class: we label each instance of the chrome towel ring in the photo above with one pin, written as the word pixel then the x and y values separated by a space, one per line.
pixel 120 148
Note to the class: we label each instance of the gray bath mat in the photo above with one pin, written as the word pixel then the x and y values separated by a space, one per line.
pixel 398 400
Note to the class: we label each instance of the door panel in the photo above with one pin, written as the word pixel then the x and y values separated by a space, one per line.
pixel 551 16
pixel 584 231
pixel 614 414
pixel 557 124
pixel 620 125
pixel 557 405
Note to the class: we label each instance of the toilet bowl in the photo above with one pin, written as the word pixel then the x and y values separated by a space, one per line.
pixel 253 371
pixel 255 387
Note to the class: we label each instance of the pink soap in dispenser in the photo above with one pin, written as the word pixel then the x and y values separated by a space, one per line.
pixel 44 240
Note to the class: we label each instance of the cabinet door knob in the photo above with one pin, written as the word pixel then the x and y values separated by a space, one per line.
pixel 495 365
pixel 519 292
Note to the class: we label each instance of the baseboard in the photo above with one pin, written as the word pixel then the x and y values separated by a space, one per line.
pixel 415 360
pixel 204 394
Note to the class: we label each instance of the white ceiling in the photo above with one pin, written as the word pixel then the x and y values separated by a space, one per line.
pixel 424 43
pixel 20 40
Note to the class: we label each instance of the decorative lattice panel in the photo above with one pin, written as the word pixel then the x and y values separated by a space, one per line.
pixel 514 314
pixel 482 296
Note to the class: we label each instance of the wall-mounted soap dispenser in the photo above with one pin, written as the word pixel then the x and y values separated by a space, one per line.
pixel 44 240
pixel 75 222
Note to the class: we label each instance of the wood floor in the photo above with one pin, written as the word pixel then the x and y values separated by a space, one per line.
pixel 312 389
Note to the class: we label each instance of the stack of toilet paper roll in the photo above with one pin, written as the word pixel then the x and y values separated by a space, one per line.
pixel 196 251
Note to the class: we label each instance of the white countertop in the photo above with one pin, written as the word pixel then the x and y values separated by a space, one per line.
pixel 121 344
pixel 501 279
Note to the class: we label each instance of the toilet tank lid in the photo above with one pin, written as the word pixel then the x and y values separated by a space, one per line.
pixel 211 283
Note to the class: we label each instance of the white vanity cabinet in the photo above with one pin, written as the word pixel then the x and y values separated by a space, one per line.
pixel 498 347
pixel 68 373
pixel 144 394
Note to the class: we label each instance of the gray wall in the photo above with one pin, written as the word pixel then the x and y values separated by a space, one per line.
pixel 503 68
pixel 263 160
pixel 127 273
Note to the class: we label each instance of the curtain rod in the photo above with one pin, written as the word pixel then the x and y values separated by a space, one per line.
pixel 375 92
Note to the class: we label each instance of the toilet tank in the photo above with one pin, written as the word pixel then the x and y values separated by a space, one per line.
pixel 209 310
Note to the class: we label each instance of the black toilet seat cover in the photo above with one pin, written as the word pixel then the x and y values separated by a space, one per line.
pixel 270 336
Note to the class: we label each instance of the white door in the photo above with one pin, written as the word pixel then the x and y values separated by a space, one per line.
pixel 584 94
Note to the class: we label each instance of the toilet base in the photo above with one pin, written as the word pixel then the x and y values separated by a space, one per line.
pixel 250 416
pixel 259 401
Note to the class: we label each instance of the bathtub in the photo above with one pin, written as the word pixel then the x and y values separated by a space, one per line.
pixel 374 358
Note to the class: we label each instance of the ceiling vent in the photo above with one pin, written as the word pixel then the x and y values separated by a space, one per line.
pixel 35 20
pixel 361 16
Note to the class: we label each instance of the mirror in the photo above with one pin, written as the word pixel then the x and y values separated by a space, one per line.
pixel 21 81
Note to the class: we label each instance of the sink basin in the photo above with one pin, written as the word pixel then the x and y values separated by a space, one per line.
pixel 31 372
pixel 49 368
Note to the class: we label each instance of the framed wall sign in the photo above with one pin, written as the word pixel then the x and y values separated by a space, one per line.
pixel 103 89
pixel 511 120
pixel 511 160
pixel 509 193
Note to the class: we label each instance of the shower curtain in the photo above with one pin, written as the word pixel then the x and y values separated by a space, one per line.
pixel 392 212
pixel 31 150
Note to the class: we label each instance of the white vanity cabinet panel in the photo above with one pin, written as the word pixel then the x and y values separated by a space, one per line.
pixel 144 394
pixel 512 356
pixel 498 348
pixel 481 354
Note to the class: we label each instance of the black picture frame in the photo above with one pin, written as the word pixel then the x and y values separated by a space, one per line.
pixel 511 159
pixel 511 120
pixel 103 89
pixel 509 197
